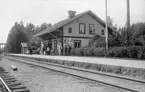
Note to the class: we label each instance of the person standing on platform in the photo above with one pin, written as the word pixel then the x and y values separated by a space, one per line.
pixel 30 50
pixel 42 48
pixel 69 49
pixel 65 49
pixel 59 49
pixel 48 50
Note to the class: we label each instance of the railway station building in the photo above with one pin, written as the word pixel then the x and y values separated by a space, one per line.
pixel 75 31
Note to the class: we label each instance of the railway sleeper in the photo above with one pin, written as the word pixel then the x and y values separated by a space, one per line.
pixel 10 78
pixel 7 76
pixel 14 80
pixel 4 75
pixel 14 84
pixel 17 87
pixel 21 90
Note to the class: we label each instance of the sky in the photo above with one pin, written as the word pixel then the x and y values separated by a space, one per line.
pixel 53 11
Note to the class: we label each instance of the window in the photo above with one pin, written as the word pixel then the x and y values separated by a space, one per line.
pixel 91 28
pixel 69 30
pixel 82 29
pixel 102 32
pixel 77 43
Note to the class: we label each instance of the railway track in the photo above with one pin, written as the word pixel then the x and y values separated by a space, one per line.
pixel 126 84
pixel 9 84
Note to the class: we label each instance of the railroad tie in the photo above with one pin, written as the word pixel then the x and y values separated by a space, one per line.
pixel 18 87
pixel 21 90
pixel 13 84
pixel 9 81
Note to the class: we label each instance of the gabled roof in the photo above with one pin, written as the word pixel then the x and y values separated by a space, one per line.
pixel 66 21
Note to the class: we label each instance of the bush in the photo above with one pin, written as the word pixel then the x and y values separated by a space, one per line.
pixel 132 52
pixel 79 51
pixel 116 52
pixel 72 52
pixel 99 51
pixel 137 52
pixel 88 51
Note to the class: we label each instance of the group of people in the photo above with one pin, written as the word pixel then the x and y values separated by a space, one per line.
pixel 44 49
pixel 47 50
pixel 65 50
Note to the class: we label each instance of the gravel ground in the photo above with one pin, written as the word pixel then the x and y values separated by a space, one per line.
pixel 44 80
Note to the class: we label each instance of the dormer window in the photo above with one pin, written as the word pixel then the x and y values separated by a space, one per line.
pixel 69 30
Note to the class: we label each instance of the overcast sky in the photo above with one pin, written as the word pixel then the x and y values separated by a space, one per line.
pixel 52 11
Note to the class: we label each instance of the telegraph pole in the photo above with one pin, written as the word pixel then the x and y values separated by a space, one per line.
pixel 2 45
pixel 106 25
pixel 128 18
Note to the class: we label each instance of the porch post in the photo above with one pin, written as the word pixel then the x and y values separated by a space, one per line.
pixel 62 41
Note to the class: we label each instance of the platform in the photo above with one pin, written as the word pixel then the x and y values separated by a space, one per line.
pixel 97 60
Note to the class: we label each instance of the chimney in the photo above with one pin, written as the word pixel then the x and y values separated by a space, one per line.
pixel 71 14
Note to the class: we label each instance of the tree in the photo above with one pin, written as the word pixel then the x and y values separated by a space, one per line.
pixel 15 37
pixel 136 34
pixel 34 42
pixel 20 33
pixel 30 29
pixel 42 27
pixel 110 23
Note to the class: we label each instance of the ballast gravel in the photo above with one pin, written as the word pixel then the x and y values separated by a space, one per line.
pixel 38 79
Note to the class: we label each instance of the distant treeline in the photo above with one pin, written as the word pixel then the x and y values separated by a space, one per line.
pixel 20 33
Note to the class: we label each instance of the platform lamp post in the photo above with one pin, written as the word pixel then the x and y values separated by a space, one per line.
pixel 106 25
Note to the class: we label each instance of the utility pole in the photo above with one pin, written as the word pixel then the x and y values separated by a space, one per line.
pixel 106 25
pixel 2 45
pixel 128 19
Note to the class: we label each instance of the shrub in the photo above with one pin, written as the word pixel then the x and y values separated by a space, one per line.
pixel 72 52
pixel 79 51
pixel 132 52
pixel 137 52
pixel 99 51
pixel 89 51
pixel 116 52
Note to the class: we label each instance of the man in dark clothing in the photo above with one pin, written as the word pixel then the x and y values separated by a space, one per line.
pixel 30 51
pixel 65 49
pixel 69 49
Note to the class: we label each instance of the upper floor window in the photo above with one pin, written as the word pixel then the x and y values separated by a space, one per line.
pixel 82 29
pixel 102 32
pixel 91 28
pixel 69 30
pixel 77 43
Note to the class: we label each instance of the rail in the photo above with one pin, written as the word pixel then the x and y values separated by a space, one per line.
pixel 7 88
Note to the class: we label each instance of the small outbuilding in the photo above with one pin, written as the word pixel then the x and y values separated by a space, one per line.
pixel 24 48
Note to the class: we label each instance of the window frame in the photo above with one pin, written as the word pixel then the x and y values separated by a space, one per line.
pixel 77 41
pixel 80 32
pixel 102 32
pixel 93 31
pixel 69 30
